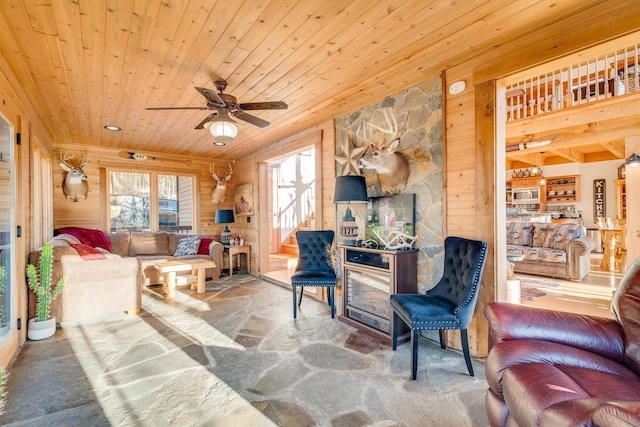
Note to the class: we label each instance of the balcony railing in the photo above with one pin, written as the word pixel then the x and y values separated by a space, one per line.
pixel 602 77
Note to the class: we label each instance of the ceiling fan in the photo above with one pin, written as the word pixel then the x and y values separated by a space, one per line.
pixel 225 104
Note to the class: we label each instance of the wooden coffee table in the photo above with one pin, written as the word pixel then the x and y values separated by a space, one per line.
pixel 168 270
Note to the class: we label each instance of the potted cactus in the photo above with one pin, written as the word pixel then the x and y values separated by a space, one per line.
pixel 44 325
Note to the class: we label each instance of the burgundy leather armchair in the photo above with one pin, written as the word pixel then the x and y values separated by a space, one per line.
pixel 552 368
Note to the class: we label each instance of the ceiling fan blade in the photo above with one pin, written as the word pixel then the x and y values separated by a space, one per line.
pixel 251 119
pixel 274 105
pixel 176 108
pixel 211 95
pixel 207 119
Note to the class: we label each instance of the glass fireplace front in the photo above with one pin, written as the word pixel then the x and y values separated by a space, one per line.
pixel 367 298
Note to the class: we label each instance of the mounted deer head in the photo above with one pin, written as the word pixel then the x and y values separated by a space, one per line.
pixel 74 186
pixel 391 166
pixel 217 194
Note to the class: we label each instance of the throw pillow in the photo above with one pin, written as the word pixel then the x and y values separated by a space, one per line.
pixel 188 246
pixel 204 245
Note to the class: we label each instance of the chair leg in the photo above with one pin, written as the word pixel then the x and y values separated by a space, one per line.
pixel 332 296
pixel 394 331
pixel 414 353
pixel 465 350
pixel 443 344
pixel 301 292
pixel 294 301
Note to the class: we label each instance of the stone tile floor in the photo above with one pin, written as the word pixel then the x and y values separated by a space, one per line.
pixel 235 357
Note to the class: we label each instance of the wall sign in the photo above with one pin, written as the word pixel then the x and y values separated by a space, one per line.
pixel 599 198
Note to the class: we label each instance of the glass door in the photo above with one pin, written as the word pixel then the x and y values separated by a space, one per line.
pixel 6 225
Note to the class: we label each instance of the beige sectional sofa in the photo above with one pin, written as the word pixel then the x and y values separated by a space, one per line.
pixel 560 250
pixel 111 282
pixel 151 248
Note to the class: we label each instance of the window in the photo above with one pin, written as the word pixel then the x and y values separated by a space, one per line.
pixel 7 194
pixel 133 200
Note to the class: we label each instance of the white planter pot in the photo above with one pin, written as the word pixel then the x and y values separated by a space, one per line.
pixel 41 330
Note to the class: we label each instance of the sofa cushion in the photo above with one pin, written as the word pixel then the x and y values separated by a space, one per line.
pixel 559 235
pixel 188 246
pixel 519 233
pixel 149 244
pixel 119 243
pixel 539 254
pixel 530 389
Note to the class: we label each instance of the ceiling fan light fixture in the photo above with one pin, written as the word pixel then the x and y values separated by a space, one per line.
pixel 223 129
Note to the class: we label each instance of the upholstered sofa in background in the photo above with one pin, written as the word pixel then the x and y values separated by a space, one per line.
pixel 550 368
pixel 151 248
pixel 106 271
pixel 560 250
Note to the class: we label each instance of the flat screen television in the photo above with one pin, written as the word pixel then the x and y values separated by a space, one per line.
pixel 386 214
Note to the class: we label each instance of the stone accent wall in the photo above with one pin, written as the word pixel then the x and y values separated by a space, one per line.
pixel 418 112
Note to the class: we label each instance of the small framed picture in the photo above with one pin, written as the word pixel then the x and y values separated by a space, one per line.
pixel 621 171
pixel 243 200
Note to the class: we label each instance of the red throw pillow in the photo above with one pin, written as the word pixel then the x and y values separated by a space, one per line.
pixel 204 245
pixel 87 252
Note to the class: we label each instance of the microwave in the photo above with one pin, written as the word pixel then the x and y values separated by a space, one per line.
pixel 525 196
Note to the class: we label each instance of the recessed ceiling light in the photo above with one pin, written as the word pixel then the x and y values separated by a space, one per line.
pixel 219 143
pixel 113 128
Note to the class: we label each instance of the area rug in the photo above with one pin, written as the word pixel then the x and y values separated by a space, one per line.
pixel 530 287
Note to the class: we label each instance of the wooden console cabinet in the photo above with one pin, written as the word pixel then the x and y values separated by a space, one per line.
pixel 369 277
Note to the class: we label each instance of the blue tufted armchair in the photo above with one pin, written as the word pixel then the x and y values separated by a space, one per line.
pixel 450 304
pixel 314 266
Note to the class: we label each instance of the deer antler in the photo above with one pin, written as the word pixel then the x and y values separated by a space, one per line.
pixel 213 171
pixel 364 131
pixel 230 170
pixel 85 159
pixel 64 157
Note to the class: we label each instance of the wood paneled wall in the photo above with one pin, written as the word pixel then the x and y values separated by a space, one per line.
pixel 93 213
pixel 472 180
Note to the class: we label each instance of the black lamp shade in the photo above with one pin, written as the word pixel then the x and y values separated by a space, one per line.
pixel 224 216
pixel 350 188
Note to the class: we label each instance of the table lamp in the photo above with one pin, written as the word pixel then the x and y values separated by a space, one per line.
pixel 349 189
pixel 224 216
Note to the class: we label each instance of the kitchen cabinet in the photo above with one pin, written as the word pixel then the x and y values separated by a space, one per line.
pixel 525 182
pixel 562 189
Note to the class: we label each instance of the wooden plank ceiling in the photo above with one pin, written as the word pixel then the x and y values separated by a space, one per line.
pixel 85 64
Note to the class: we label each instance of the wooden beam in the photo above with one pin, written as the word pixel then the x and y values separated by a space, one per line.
pixel 571 154
pixel 615 108
pixel 615 147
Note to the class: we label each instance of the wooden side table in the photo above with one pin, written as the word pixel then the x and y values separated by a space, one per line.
pixel 237 250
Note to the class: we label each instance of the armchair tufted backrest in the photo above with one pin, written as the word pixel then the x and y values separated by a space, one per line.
pixel 463 266
pixel 313 250
pixel 625 307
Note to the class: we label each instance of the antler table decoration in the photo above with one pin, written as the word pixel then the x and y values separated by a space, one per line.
pixel 396 240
